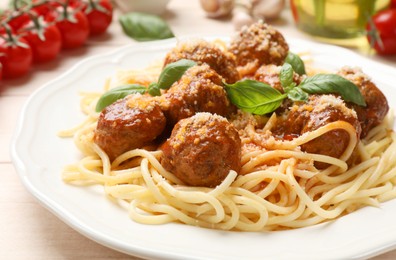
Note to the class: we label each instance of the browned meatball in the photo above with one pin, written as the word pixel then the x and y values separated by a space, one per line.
pixel 377 105
pixel 129 123
pixel 202 150
pixel 201 52
pixel 256 45
pixel 199 90
pixel 317 112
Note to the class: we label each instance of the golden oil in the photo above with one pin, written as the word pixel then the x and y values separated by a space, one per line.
pixel 335 20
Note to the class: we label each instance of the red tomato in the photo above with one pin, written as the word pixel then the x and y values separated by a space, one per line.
pixel 45 39
pixel 15 55
pixel 44 8
pixel 73 26
pixel 100 15
pixel 294 10
pixel 18 21
pixel 76 3
pixel 382 32
pixel 393 4
pixel 1 71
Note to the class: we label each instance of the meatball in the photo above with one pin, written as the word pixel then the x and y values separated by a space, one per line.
pixel 129 123
pixel 317 112
pixel 377 105
pixel 202 150
pixel 201 52
pixel 257 45
pixel 199 90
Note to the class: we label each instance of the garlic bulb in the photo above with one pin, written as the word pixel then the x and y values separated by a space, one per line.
pixel 267 9
pixel 217 8
pixel 241 19
pixel 242 14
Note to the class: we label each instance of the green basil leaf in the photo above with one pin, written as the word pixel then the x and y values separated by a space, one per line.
pixel 290 87
pixel 286 75
pixel 296 62
pixel 297 94
pixel 173 72
pixel 117 93
pixel 332 83
pixel 154 90
pixel 145 27
pixel 254 96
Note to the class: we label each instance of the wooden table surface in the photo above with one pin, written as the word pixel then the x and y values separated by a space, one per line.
pixel 27 229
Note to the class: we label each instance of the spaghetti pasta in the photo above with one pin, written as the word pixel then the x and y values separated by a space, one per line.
pixel 277 188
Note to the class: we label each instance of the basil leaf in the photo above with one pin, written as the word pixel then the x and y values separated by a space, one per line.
pixel 296 62
pixel 332 83
pixel 254 96
pixel 173 72
pixel 297 94
pixel 117 93
pixel 145 27
pixel 154 90
pixel 286 75
pixel 290 87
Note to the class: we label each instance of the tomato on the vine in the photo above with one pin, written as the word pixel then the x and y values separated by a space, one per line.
pixel 99 14
pixel 73 26
pixel 15 56
pixel 44 8
pixel 393 4
pixel 382 32
pixel 18 20
pixel 44 39
pixel 1 71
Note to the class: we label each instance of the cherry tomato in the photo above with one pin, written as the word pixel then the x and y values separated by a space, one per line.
pixel 44 39
pixel 15 55
pixel 99 14
pixel 44 8
pixel 294 10
pixel 382 32
pixel 393 4
pixel 73 26
pixel 18 21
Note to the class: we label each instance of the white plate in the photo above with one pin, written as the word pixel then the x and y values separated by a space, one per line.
pixel 39 156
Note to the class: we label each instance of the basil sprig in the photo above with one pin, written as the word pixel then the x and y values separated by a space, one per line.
pixel 286 76
pixel 296 62
pixel 260 98
pixel 249 95
pixel 332 83
pixel 169 75
pixel 254 96
pixel 145 27
pixel 117 93
pixel 173 72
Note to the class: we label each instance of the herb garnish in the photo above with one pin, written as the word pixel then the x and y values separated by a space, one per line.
pixel 296 62
pixel 332 83
pixel 260 98
pixel 169 75
pixel 116 93
pixel 250 95
pixel 254 96
pixel 145 27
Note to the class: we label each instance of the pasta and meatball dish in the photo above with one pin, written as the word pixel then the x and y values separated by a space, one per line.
pixel 192 154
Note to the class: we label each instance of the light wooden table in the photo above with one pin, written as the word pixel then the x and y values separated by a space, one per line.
pixel 29 231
